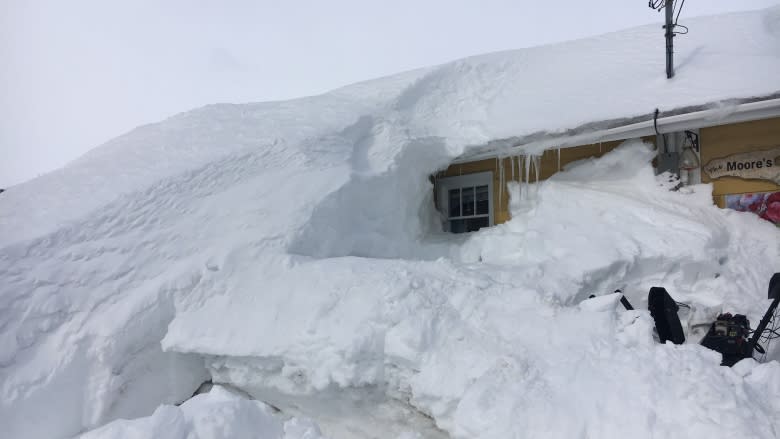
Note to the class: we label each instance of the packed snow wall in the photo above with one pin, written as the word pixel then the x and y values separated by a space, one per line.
pixel 397 319
pixel 497 339
pixel 86 304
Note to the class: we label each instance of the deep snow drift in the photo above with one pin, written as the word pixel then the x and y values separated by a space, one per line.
pixel 291 250
pixel 494 340
pixel 217 414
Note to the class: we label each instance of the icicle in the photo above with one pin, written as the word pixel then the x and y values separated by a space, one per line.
pixel 498 169
pixel 559 159
pixel 537 167
pixel 537 172
pixel 527 169
pixel 512 164
pixel 519 169
pixel 520 175
pixel 501 183
pixel 526 173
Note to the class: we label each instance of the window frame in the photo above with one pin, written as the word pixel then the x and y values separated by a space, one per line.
pixel 463 182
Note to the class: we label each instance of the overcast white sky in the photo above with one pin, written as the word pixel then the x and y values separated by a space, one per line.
pixel 74 74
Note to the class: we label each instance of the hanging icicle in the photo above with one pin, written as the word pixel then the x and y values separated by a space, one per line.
pixel 501 183
pixel 537 167
pixel 512 164
pixel 537 174
pixel 519 168
pixel 527 169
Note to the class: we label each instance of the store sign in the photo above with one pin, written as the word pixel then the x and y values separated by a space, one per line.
pixel 755 165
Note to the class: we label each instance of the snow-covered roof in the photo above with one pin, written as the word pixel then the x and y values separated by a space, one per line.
pixel 603 81
pixel 538 95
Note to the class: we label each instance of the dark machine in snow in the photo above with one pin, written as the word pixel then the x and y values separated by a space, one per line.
pixel 729 334
pixel 663 309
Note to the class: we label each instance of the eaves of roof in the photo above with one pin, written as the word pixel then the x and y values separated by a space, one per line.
pixel 629 128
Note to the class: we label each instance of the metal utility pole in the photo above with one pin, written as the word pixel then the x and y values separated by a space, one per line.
pixel 669 9
pixel 670 26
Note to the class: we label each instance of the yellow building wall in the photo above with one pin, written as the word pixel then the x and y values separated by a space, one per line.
pixel 550 162
pixel 722 141
pixel 716 142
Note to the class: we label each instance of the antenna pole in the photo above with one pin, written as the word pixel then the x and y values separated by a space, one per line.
pixel 669 9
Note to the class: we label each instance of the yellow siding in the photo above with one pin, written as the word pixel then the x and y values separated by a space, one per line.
pixel 721 141
pixel 549 164
pixel 716 142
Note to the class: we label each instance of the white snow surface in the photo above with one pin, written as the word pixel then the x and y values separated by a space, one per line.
pixel 217 414
pixel 291 250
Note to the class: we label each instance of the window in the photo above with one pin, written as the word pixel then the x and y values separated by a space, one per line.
pixel 467 202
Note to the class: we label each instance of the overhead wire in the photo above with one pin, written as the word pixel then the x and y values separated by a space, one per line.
pixel 682 3
pixel 677 18
pixel 656 4
pixel 659 5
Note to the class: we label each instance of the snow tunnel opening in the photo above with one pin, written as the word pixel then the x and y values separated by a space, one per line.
pixel 386 214
pixel 409 211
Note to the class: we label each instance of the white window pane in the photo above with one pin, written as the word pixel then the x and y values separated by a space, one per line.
pixel 454 202
pixel 483 200
pixel 467 201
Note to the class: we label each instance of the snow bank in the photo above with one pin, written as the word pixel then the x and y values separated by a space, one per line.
pixel 290 249
pixel 496 340
pixel 611 222
pixel 217 414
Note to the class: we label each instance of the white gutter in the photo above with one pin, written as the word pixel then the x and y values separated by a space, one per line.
pixel 689 121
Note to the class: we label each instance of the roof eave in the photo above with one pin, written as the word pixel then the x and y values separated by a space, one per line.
pixel 750 111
